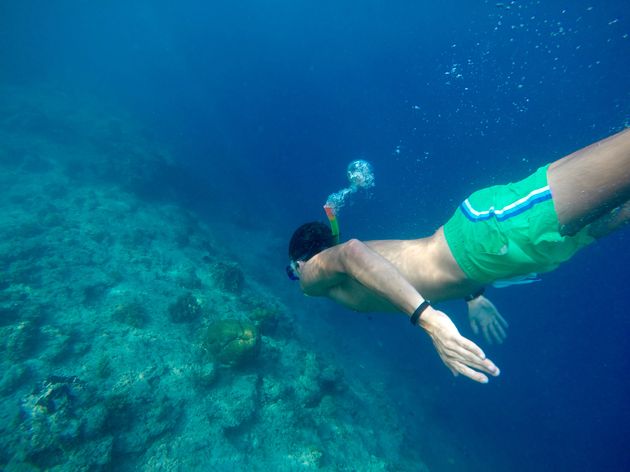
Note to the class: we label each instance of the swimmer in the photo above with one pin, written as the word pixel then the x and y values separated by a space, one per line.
pixel 502 234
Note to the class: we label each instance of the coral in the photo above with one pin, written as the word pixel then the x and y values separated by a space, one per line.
pixel 55 418
pixel 229 277
pixel 231 342
pixel 185 309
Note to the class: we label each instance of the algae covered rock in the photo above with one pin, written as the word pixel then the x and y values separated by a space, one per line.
pixel 231 342
pixel 185 309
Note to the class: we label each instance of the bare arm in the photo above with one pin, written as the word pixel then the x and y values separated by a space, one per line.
pixel 326 274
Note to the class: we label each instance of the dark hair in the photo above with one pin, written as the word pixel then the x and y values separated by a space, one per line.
pixel 310 239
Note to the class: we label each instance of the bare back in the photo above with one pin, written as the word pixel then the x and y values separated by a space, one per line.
pixel 428 264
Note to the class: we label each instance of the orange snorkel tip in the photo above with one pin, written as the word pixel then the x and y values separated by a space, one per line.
pixel 332 219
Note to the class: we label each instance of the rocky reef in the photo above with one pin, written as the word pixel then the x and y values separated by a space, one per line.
pixel 129 344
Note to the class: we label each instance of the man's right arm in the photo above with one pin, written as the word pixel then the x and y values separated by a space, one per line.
pixel 328 270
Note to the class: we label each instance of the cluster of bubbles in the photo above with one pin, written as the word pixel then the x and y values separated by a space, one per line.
pixel 360 176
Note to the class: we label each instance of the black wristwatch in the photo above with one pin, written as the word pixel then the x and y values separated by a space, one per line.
pixel 477 294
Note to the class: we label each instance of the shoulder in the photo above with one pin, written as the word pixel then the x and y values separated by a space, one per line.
pixel 323 271
pixel 330 267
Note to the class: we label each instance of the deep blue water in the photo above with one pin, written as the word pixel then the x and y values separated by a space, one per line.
pixel 265 103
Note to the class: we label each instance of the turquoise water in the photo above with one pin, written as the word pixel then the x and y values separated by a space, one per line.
pixel 154 161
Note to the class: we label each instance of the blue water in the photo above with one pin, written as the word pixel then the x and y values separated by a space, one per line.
pixel 263 105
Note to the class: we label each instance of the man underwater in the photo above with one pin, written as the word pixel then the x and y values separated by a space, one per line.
pixel 498 234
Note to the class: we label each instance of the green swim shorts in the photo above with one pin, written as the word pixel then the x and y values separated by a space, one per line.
pixel 507 231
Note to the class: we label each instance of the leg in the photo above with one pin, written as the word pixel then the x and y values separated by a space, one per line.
pixel 591 182
pixel 611 221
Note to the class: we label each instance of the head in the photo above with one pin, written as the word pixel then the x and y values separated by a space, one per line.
pixel 308 240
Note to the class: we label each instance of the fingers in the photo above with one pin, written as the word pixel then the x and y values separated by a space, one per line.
pixel 494 330
pixel 468 346
pixel 475 326
pixel 467 371
pixel 463 352
pixel 498 332
pixel 504 324
pixel 460 355
pixel 470 373
pixel 464 357
pixel 486 333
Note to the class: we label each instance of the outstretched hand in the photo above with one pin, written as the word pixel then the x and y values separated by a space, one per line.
pixel 485 318
pixel 460 355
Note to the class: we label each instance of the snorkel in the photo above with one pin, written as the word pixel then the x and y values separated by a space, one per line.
pixel 332 219
pixel 361 176
pixel 312 238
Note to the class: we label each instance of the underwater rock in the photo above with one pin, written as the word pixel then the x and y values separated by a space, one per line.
pixel 16 303
pixel 138 415
pixel 204 376
pixel 229 277
pixel 238 405
pixel 331 379
pixel 189 280
pixel 104 368
pixel 53 420
pixel 21 340
pixel 185 309
pixel 231 342
pixel 132 314
pixel 94 292
pixel 13 378
pixel 307 388
pixel 316 381
pixel 272 390
pixel 265 317
pixel 308 458
pixel 63 344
